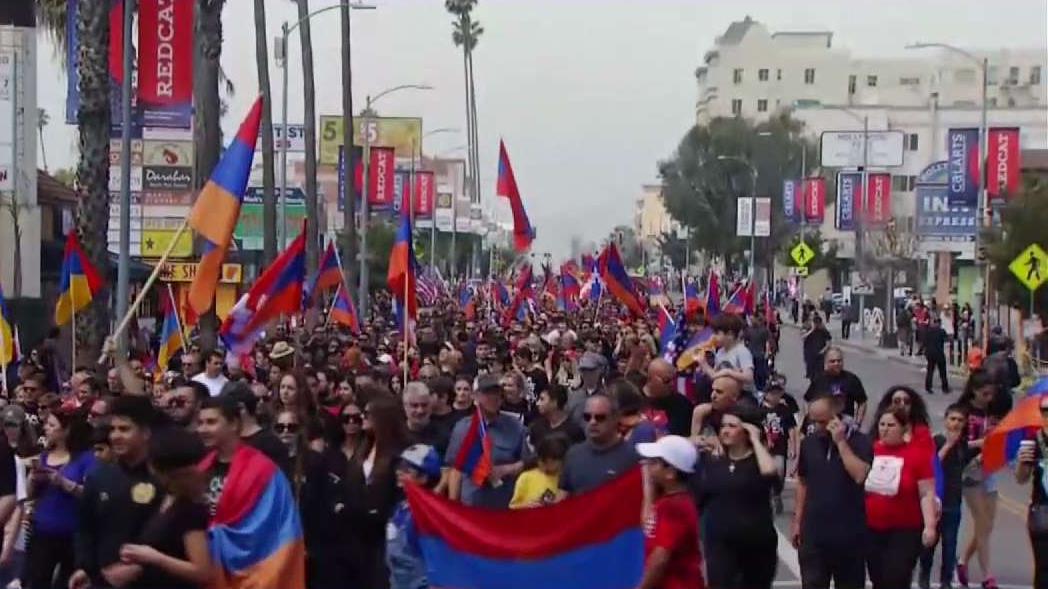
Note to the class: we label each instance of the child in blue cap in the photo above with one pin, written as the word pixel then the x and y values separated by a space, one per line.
pixel 419 464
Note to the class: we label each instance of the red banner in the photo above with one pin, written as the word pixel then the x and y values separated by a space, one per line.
pixel 814 200
pixel 165 63
pixel 879 200
pixel 381 172
pixel 425 194
pixel 1002 163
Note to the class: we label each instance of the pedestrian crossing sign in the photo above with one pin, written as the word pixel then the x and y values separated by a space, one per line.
pixel 1031 267
pixel 802 254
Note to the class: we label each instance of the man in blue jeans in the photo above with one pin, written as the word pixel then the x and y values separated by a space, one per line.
pixel 953 454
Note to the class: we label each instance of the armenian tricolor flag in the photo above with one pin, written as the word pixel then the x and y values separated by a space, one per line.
pixel 523 233
pixel 570 290
pixel 7 333
pixel 401 276
pixel 1021 423
pixel 217 208
pixel 474 456
pixel 79 284
pixel 589 541
pixel 613 275
pixel 170 339
pixel 343 311
pixel 523 293
pixel 713 296
pixel 329 273
pixel 255 534
pixel 736 304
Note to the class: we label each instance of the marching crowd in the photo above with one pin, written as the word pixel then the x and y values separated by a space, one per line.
pixel 112 479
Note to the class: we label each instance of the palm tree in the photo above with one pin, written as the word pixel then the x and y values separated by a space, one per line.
pixel 42 120
pixel 269 203
pixel 349 247
pixel 93 122
pixel 309 97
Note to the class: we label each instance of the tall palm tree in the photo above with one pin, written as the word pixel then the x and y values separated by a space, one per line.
pixel 93 122
pixel 42 120
pixel 349 246
pixel 310 99
pixel 269 202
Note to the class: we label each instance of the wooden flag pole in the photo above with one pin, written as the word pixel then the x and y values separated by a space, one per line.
pixel 145 287
pixel 72 307
pixel 3 356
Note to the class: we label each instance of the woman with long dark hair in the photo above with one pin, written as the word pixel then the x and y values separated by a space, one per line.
pixel 56 482
pixel 23 442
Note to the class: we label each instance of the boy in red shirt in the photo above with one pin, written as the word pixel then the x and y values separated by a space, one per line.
pixel 672 559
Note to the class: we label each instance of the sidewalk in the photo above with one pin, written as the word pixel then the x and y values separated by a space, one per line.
pixel 869 345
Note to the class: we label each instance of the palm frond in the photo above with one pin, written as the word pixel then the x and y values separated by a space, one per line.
pixel 52 17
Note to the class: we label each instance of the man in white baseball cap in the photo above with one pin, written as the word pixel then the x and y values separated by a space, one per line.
pixel 671 552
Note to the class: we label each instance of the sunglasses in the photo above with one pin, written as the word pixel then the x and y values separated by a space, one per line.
pixel 353 418
pixel 286 428
pixel 596 417
pixel 15 424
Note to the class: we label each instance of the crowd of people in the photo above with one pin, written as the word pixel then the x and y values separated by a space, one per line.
pixel 113 478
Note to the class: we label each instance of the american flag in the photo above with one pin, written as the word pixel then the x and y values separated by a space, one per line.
pixel 430 287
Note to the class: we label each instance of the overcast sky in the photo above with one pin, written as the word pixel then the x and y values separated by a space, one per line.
pixel 588 94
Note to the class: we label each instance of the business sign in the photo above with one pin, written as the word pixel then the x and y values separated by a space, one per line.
pixel 249 230
pixel 166 153
pixel 789 200
pixel 186 272
pixel 155 241
pixel 164 198
pixel 175 178
pixel 1002 164
pixel 938 221
pixel 115 152
pixel 296 137
pixel 878 200
pixel 443 214
pixel 382 173
pixel 814 200
pixel 962 148
pixel 743 216
pixel 165 62
pixel 403 134
pixel 844 149
pixel 476 219
pixel 849 192
pixel 115 183
pixel 425 194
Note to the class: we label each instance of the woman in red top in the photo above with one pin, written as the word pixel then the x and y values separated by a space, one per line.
pixel 900 502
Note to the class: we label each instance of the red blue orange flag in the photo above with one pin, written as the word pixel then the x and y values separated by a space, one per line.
pixel 588 541
pixel 474 456
pixel 401 277
pixel 713 296
pixel 255 533
pixel 524 291
pixel 7 339
pixel 736 304
pixel 79 283
pixel 217 208
pixel 170 339
pixel 343 311
pixel 329 273
pixel 618 282
pixel 1021 423
pixel 523 233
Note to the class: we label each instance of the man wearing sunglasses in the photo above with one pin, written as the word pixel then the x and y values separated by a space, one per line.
pixel 603 456
pixel 183 402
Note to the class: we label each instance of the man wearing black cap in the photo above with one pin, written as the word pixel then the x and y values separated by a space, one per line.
pixel 507 436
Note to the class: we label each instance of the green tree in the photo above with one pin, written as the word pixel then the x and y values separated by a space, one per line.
pixel 673 247
pixel 700 190
pixel 1022 224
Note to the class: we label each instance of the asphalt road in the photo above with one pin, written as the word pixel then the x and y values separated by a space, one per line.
pixel 1011 561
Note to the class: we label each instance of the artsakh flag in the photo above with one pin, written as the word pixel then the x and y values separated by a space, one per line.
pixel 523 233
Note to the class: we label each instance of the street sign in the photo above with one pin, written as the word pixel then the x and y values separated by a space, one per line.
pixel 802 254
pixel 799 270
pixel 1031 267
pixel 186 271
pixel 844 149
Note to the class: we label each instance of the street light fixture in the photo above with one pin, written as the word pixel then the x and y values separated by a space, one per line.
pixel 364 213
pixel 753 205
pixel 982 316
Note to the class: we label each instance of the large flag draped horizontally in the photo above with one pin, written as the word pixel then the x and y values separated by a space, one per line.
pixel 523 233
pixel 217 208
pixel 590 541
pixel 79 283
pixel 620 285
pixel 255 534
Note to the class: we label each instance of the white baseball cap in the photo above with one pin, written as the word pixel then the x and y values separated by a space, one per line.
pixel 676 451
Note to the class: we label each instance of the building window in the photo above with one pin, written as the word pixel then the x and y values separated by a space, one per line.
pixel 991 76
pixel 809 75
pixel 762 74
pixel 903 183
pixel 911 141
pixel 993 102
pixel 1011 102
pixel 762 105
pixel 1035 75
pixel 905 81
pixel 871 81
pixel 736 76
pixel 778 74
pixel 736 106
pixel 1013 75
pixel 851 84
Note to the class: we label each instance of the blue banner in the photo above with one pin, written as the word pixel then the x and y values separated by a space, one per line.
pixel 789 199
pixel 962 148
pixel 849 192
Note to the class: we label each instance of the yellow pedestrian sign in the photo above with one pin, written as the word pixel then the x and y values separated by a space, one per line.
pixel 1031 267
pixel 802 254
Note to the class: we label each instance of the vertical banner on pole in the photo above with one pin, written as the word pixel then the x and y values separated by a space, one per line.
pixel 743 216
pixel 789 200
pixel 762 217
pixel 1002 164
pixel 814 200
pixel 165 62
pixel 425 194
pixel 849 192
pixel 879 202
pixel 963 165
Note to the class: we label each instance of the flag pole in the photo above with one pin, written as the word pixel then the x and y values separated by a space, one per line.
pixel 148 284
pixel 334 301
pixel 72 326
pixel 411 247
pixel 178 318
pixel 3 354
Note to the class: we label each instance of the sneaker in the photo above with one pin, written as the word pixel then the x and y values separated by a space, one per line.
pixel 924 579
pixel 962 575
pixel 989 583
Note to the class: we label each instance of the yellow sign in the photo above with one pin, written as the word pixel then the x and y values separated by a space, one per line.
pixel 186 271
pixel 156 241
pixel 800 270
pixel 403 134
pixel 1031 267
pixel 802 254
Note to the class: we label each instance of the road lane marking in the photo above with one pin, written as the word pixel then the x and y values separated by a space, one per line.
pixel 788 554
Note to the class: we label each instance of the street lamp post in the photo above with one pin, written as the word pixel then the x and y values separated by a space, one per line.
pixel 982 315
pixel 364 213
pixel 753 206
pixel 282 60
pixel 433 217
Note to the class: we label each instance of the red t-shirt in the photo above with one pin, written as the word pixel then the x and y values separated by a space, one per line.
pixel 903 510
pixel 674 526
